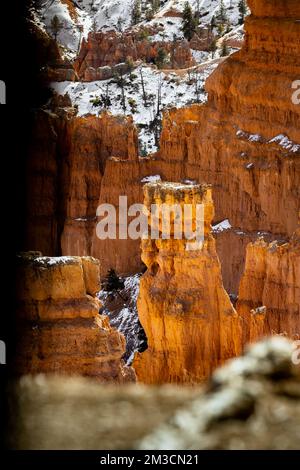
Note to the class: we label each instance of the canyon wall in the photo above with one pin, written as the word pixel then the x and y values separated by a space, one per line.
pixel 245 141
pixel 189 321
pixel 66 162
pixel 59 329
pixel 104 50
pixel 269 294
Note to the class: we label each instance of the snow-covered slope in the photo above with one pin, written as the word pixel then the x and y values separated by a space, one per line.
pixel 175 91
pixel 79 17
pixel 122 312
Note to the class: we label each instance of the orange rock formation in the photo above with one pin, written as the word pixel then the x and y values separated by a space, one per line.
pixel 245 142
pixel 63 186
pixel 188 318
pixel 269 295
pixel 113 48
pixel 59 327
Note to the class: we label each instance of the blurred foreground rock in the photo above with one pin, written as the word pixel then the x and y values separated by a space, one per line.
pixel 253 402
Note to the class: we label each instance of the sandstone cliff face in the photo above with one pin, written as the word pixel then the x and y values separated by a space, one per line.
pixel 245 140
pixel 269 295
pixel 188 318
pixel 67 158
pixel 59 327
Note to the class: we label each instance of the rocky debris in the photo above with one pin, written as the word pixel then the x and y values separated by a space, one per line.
pixel 250 403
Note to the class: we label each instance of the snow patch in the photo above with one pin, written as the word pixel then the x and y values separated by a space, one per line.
pixel 222 226
pixel 151 179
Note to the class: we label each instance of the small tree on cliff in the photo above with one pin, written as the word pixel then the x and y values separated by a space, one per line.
pixel 55 26
pixel 242 10
pixel 213 47
pixel 113 283
pixel 213 23
pixel 222 16
pixel 189 22
pixel 224 50
pixel 161 58
pixel 136 12
pixel 155 4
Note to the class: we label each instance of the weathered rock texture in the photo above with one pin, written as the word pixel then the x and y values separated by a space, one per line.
pixel 58 323
pixel 269 295
pixel 246 139
pixel 251 403
pixel 66 163
pixel 108 49
pixel 245 142
pixel 189 321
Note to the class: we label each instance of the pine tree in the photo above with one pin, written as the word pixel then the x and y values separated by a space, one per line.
pixel 243 10
pixel 136 12
pixel 224 50
pixel 213 23
pixel 222 12
pixel 189 22
pixel 161 57
pixel 55 26
pixel 113 283
pixel 155 5
pixel 213 47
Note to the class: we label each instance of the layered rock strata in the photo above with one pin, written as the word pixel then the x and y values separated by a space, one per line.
pixel 189 321
pixel 245 142
pixel 59 328
pixel 63 185
pixel 269 294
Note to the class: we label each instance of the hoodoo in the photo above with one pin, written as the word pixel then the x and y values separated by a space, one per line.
pixel 187 315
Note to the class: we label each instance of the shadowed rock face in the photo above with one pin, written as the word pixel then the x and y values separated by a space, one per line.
pixel 250 403
pixel 59 328
pixel 189 321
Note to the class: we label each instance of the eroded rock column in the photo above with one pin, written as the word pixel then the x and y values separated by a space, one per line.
pixel 188 318
pixel 269 295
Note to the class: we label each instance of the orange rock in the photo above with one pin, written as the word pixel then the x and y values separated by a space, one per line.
pixel 188 318
pixel 59 328
pixel 269 295
pixel 111 48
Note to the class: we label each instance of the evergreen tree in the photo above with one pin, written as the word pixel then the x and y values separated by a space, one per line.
pixel 222 12
pixel 113 283
pixel 213 47
pixel 161 57
pixel 189 22
pixel 243 10
pixel 136 12
pixel 213 23
pixel 55 26
pixel 155 5
pixel 224 50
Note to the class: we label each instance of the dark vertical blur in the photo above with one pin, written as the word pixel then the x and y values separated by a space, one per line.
pixel 18 69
